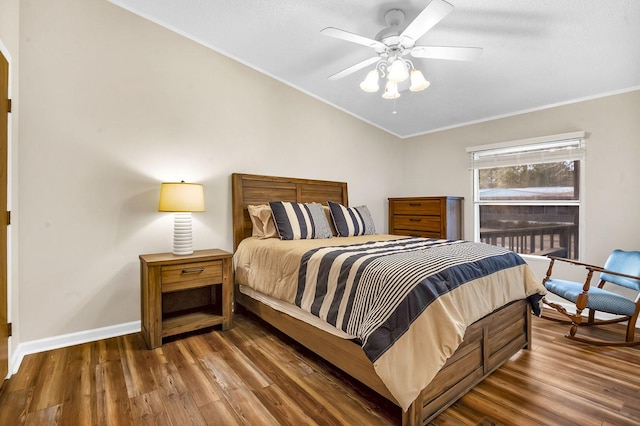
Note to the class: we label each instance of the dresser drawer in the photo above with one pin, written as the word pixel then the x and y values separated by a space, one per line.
pixel 190 275
pixel 417 207
pixel 414 233
pixel 418 223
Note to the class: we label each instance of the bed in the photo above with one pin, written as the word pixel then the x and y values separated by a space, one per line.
pixel 485 344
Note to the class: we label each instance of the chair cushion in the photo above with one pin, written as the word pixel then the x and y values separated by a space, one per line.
pixel 599 299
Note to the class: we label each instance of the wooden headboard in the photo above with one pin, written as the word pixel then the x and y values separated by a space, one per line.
pixel 255 189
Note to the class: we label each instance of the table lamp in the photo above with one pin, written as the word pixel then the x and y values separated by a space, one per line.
pixel 181 198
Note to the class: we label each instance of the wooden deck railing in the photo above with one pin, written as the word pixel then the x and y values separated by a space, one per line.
pixel 556 240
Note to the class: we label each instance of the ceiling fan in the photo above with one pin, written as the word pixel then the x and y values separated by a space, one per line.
pixel 391 46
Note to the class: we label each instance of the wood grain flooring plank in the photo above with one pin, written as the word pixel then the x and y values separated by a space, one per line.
pixel 239 363
pixel 288 380
pixel 282 407
pixel 80 388
pixel 47 416
pixel 181 410
pixel 169 381
pixel 108 349
pixel 112 400
pixel 28 373
pixel 137 363
pixel 147 409
pixel 51 380
pixel 484 401
pixel 239 396
pixel 195 376
pixel 340 401
pixel 220 413
pixel 14 405
pixel 249 408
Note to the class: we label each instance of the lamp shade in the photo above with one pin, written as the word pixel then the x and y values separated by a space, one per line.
pixel 418 82
pixel 181 197
pixel 398 71
pixel 391 90
pixel 370 84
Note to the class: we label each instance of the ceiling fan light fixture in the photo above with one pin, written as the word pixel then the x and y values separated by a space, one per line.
pixel 398 71
pixel 391 90
pixel 418 82
pixel 370 83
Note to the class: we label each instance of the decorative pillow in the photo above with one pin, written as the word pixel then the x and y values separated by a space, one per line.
pixel 352 221
pixel 323 229
pixel 327 214
pixel 262 220
pixel 297 221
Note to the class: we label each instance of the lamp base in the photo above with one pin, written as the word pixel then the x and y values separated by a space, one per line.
pixel 182 235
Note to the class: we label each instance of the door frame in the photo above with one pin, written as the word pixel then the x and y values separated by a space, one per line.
pixel 5 88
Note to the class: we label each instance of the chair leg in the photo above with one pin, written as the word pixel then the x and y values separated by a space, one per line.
pixel 576 322
pixel 595 342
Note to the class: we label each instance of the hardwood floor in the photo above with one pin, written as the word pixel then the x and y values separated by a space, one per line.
pixel 254 375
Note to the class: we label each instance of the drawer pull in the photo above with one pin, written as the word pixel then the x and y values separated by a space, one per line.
pixel 193 270
pixel 415 219
pixel 415 204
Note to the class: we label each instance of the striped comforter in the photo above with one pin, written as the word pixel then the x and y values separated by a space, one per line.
pixel 377 289
pixel 408 300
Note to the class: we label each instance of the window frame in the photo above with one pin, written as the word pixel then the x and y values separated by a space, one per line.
pixel 580 202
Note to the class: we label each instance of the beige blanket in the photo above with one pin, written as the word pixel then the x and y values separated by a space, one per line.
pixel 271 266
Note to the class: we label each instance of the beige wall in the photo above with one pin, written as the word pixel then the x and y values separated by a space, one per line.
pixel 112 105
pixel 438 164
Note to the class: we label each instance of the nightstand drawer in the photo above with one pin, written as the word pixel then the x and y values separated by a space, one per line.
pixel 190 275
pixel 417 223
pixel 417 207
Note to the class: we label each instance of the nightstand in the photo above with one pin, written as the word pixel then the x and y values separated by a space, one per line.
pixel 184 293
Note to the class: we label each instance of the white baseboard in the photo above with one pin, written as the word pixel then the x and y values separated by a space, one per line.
pixel 55 342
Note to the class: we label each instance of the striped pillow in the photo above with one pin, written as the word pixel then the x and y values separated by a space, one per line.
pixel 352 221
pixel 297 221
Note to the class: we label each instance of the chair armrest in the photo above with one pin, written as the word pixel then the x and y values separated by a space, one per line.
pixel 573 262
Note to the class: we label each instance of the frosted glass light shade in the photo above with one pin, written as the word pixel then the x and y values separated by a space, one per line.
pixel 398 71
pixel 418 82
pixel 370 83
pixel 391 90
pixel 182 199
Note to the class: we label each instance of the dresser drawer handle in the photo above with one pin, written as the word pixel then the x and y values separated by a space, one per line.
pixel 193 270
pixel 414 219
pixel 415 204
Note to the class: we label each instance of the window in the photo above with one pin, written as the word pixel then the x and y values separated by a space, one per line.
pixel 527 194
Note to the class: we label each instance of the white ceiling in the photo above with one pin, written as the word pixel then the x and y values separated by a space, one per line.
pixel 536 53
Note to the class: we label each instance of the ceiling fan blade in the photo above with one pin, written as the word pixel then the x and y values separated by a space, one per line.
pixel 447 52
pixel 354 68
pixel 354 38
pixel 430 16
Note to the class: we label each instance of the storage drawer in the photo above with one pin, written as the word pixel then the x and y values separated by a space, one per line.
pixel 418 223
pixel 184 276
pixel 417 207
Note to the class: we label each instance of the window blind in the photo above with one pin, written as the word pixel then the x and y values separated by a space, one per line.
pixel 548 149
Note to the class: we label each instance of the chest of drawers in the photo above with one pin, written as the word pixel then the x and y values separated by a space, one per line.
pixel 431 217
